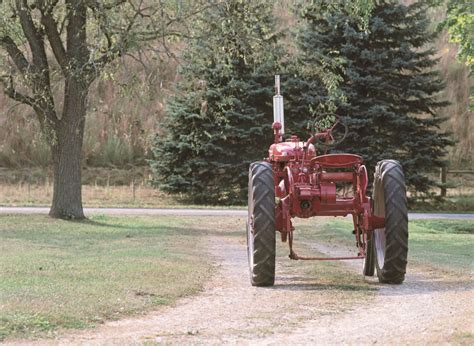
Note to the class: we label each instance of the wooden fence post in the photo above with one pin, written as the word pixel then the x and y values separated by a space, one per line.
pixel 133 189
pixel 443 174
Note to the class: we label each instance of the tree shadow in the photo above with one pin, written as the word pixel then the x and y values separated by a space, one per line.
pixel 183 230
pixel 322 287
pixel 414 285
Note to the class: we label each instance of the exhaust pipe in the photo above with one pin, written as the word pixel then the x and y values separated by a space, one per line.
pixel 278 116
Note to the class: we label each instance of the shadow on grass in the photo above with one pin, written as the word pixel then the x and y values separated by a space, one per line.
pixel 186 231
pixel 323 287
pixel 310 283
pixel 413 285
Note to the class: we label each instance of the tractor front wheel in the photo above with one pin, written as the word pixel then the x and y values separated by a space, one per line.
pixel 390 243
pixel 261 224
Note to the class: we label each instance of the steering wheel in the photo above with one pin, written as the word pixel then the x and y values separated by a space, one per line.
pixel 330 130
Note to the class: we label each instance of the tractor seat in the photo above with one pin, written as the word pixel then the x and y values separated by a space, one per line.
pixel 337 160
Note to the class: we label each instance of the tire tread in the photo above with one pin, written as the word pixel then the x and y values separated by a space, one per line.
pixel 390 174
pixel 263 204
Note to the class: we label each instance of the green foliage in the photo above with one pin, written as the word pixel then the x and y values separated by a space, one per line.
pixel 325 69
pixel 325 122
pixel 460 25
pixel 390 88
pixel 359 10
pixel 220 119
pixel 9 23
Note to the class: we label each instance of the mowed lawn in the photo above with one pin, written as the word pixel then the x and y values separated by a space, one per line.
pixel 60 274
pixel 443 244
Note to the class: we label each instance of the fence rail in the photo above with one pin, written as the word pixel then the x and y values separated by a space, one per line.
pixel 460 171
pixel 443 176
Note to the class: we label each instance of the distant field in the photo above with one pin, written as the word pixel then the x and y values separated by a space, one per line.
pixel 93 196
pixel 144 196
pixel 114 187
pixel 102 187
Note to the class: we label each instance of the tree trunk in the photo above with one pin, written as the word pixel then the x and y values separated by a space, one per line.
pixel 67 153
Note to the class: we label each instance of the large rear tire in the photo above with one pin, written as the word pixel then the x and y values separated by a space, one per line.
pixel 261 224
pixel 391 242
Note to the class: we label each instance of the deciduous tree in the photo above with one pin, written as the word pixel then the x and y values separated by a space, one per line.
pixel 65 44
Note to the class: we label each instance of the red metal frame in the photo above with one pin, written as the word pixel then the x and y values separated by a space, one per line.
pixel 306 185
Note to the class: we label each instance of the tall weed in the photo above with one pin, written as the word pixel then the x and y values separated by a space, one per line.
pixel 123 114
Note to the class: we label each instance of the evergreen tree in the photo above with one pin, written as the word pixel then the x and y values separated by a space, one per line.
pixel 390 88
pixel 220 119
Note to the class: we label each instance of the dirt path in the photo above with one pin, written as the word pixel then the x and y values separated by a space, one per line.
pixel 427 308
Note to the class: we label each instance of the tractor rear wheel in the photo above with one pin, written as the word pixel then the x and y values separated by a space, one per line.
pixel 390 243
pixel 261 224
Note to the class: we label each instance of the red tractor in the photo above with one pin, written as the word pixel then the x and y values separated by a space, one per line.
pixel 295 181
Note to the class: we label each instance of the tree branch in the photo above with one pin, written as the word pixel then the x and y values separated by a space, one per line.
pixel 32 34
pixel 48 5
pixel 15 54
pixel 76 33
pixel 116 50
pixel 96 5
pixel 38 74
pixel 51 28
pixel 11 92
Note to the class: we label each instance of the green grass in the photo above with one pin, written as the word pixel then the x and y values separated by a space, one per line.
pixel 461 338
pixel 445 244
pixel 321 275
pixel 334 276
pixel 59 274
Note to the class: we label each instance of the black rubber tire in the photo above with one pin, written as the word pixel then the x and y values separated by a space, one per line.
pixel 369 261
pixel 391 242
pixel 261 225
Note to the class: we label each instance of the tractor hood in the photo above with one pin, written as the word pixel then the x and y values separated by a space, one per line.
pixel 285 151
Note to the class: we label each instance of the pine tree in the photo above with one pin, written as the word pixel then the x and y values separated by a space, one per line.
pixel 220 119
pixel 388 82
